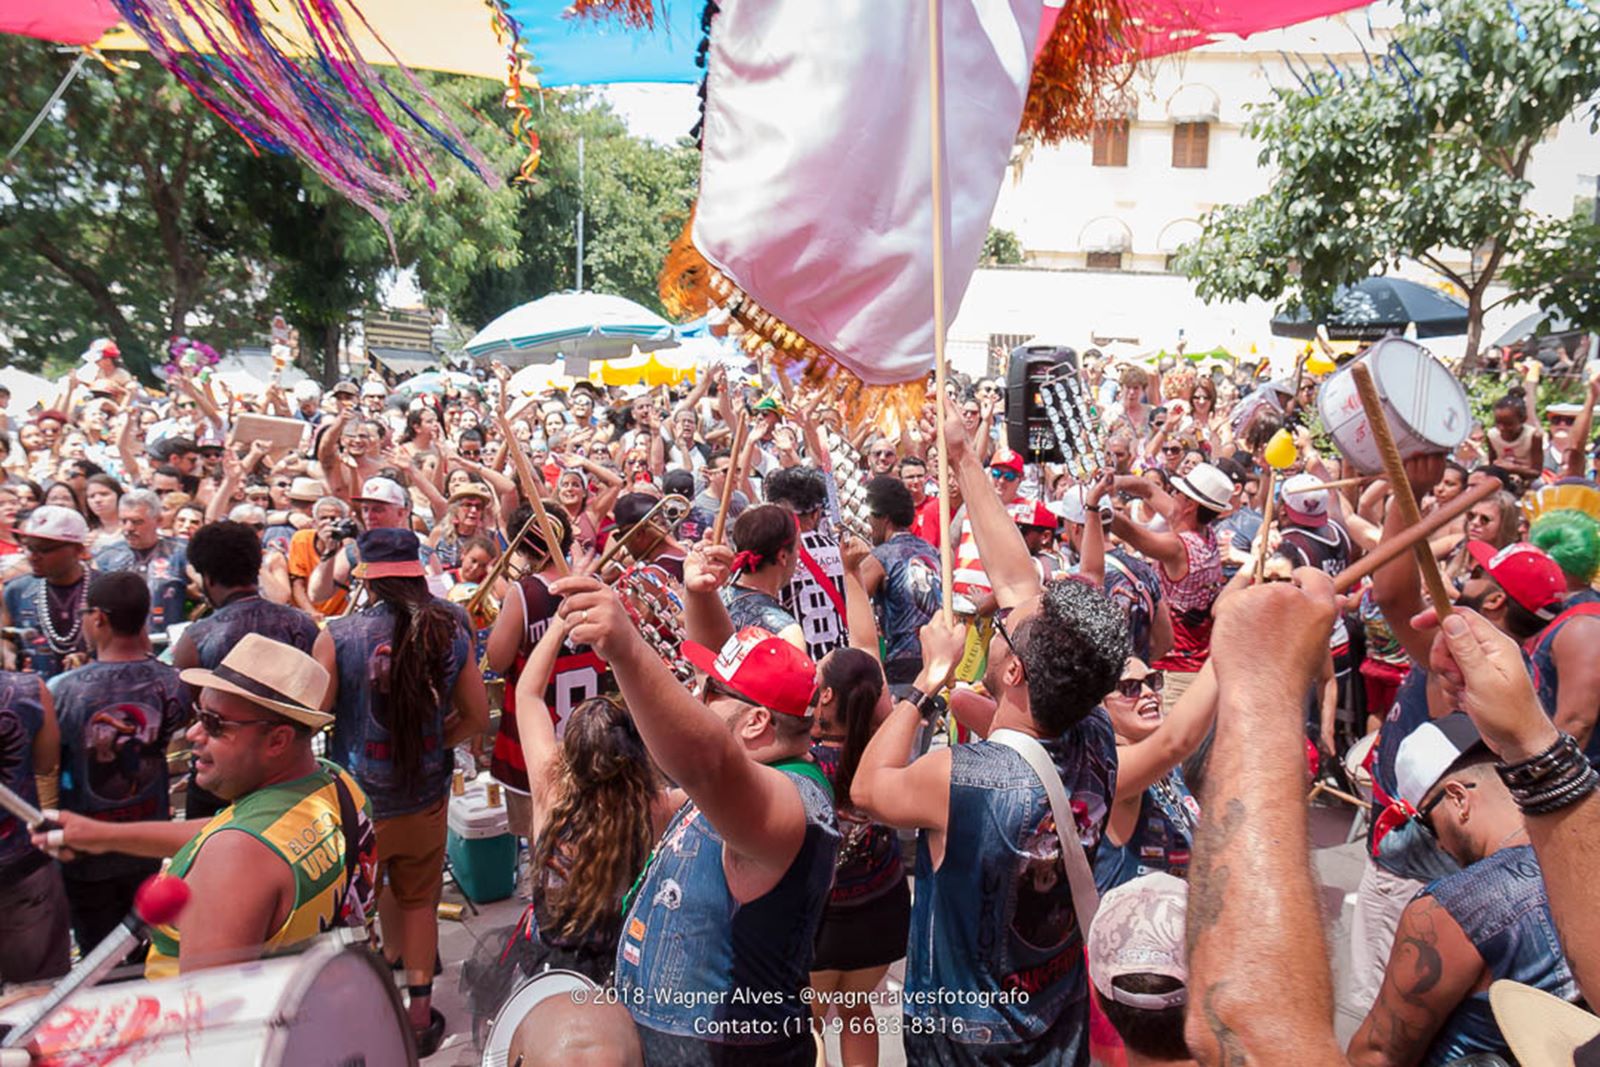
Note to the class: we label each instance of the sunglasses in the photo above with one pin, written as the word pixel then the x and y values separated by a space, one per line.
pixel 216 726
pixel 1172 450
pixel 472 453
pixel 1130 687
pixel 1000 617
pixel 1003 474
pixel 1427 809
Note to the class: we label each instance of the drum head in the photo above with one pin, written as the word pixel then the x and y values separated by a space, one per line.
pixel 340 1008
pixel 1420 391
pixel 497 1049
pixel 1355 757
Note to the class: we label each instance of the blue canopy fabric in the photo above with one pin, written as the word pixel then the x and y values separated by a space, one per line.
pixel 593 51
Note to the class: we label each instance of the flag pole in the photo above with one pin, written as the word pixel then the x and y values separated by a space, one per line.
pixel 940 371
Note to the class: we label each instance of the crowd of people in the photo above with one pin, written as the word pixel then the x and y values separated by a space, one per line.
pixel 696 635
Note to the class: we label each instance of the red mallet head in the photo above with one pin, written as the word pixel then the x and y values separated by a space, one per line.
pixel 160 899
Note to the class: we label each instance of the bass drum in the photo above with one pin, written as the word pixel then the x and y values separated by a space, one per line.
pixel 1424 404
pixel 330 1006
pixel 550 983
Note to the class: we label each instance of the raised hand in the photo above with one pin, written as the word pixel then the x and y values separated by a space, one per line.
pixel 707 567
pixel 594 615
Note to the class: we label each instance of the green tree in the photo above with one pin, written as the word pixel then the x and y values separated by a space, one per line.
pixel 636 198
pixel 1426 153
pixel 1001 248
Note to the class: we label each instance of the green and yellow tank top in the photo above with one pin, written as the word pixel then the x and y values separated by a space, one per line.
pixel 299 821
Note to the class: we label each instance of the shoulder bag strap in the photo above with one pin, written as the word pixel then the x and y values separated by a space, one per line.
pixel 1085 897
pixel 820 576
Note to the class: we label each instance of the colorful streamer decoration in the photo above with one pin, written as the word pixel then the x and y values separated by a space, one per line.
pixel 519 97
pixel 638 14
pixel 1085 56
pixel 332 109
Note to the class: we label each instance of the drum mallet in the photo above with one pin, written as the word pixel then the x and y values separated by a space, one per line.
pixel 1386 551
pixel 30 816
pixel 158 902
pixel 1400 486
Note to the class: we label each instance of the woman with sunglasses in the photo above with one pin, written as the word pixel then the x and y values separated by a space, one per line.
pixel 1154 815
pixel 1496 521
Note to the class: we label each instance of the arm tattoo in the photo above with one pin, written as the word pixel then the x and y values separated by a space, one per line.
pixel 1230 1049
pixel 1208 881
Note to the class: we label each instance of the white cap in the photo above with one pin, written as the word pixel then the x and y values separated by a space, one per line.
pixel 1139 929
pixel 307 390
pixel 1305 500
pixel 383 491
pixel 1071 506
pixel 371 388
pixel 51 522
pixel 1429 751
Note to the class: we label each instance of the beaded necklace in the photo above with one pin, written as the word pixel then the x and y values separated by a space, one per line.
pixel 61 644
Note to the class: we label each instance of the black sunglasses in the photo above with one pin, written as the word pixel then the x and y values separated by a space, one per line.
pixel 216 726
pixel 1427 809
pixel 1130 687
pixel 1000 624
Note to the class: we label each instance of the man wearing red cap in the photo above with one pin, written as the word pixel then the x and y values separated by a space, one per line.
pixel 730 901
pixel 968 578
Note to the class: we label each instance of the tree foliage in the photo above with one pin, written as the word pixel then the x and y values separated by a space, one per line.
pixel 636 198
pixel 1001 248
pixel 1424 153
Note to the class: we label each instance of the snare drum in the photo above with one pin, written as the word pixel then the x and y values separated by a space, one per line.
pixel 542 986
pixel 329 1006
pixel 1354 765
pixel 1425 405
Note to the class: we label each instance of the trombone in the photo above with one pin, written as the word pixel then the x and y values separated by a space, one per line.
pixel 481 606
pixel 671 509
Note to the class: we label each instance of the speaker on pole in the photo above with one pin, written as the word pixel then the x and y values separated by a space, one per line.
pixel 1028 429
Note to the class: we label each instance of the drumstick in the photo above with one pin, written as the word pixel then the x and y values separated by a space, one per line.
pixel 1413 535
pixel 31 817
pixel 1400 486
pixel 1266 524
pixel 530 489
pixel 1345 483
pixel 740 433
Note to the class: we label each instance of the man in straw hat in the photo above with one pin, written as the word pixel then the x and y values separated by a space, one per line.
pixel 301 853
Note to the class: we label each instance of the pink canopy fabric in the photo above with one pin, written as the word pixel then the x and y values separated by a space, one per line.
pixel 66 21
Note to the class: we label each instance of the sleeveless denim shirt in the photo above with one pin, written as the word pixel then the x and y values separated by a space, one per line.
pixel 1500 904
pixel 21 717
pixel 1541 653
pixel 995 925
pixel 1162 839
pixel 909 595
pixel 22 604
pixel 163 569
pixel 361 715
pixel 215 635
pixel 744 963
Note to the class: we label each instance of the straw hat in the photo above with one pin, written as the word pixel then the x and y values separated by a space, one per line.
pixel 1543 1030
pixel 271 674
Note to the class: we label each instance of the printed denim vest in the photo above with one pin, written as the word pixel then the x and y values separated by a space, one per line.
pixel 1500 904
pixel 994 938
pixel 1162 839
pixel 215 635
pixel 742 963
pixel 21 717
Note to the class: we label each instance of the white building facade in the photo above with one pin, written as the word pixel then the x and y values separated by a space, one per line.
pixel 1100 221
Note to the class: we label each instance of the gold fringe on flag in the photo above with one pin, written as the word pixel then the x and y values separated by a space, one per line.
pixel 1087 55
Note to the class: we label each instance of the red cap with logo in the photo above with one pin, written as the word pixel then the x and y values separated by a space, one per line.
pixel 762 668
pixel 1528 576
pixel 1034 513
pixel 1005 459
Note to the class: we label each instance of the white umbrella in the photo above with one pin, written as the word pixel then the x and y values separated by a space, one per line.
pixel 579 326
pixel 28 389
pixel 537 377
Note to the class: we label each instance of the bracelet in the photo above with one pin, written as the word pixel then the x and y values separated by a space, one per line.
pixel 1554 779
pixel 1536 767
pixel 1577 791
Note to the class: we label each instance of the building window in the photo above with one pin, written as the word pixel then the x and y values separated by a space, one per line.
pixel 1104 261
pixel 1111 143
pixel 1191 144
pixel 1000 346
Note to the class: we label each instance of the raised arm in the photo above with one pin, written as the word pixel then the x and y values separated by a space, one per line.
pixel 860 621
pixel 755 808
pixel 1254 928
pixel 1005 557
pixel 705 572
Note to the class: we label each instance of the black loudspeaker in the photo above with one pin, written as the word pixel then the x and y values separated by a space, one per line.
pixel 1027 424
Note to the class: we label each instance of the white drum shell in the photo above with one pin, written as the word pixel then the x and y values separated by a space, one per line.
pixel 330 1006
pixel 1426 406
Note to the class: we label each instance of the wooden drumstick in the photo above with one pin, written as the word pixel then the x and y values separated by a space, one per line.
pixel 1418 534
pixel 530 489
pixel 1266 524
pixel 740 434
pixel 1400 486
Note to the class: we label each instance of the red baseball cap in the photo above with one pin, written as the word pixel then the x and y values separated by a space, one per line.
pixel 1006 459
pixel 1034 513
pixel 762 668
pixel 1528 576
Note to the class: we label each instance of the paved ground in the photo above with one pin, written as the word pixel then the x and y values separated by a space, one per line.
pixel 1337 864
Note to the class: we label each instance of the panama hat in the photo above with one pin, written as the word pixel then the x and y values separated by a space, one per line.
pixel 1544 1030
pixel 269 673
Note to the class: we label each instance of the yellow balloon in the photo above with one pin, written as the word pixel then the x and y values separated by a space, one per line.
pixel 1319 363
pixel 1280 451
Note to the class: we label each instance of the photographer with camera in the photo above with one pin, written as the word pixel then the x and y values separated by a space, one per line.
pixel 331 527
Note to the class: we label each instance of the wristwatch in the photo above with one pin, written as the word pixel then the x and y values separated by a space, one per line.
pixel 929 705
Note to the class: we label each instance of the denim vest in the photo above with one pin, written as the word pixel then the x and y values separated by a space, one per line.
pixel 1406 850
pixel 1500 904
pixel 994 939
pixel 215 635
pixel 361 716
pixel 1541 654
pixel 909 595
pixel 1162 839
pixel 163 570
pixel 116 721
pixel 23 597
pixel 21 716
pixel 743 963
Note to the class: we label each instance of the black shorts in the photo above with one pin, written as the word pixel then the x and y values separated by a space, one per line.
pixel 866 935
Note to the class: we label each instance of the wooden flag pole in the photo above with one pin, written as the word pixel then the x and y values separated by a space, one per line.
pixel 1400 486
pixel 1266 524
pixel 940 371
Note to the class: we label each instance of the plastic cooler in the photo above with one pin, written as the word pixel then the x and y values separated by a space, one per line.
pixel 482 849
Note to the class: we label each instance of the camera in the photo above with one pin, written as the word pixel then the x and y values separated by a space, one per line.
pixel 343 529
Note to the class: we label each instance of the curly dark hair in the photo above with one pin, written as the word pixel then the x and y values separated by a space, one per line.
pixel 599 831
pixel 1072 651
pixel 227 553
pixel 888 496
pixel 803 489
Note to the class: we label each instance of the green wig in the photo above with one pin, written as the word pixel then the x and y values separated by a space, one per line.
pixel 1572 539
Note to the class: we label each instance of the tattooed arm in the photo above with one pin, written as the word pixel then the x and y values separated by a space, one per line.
pixel 1254 929
pixel 1432 968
